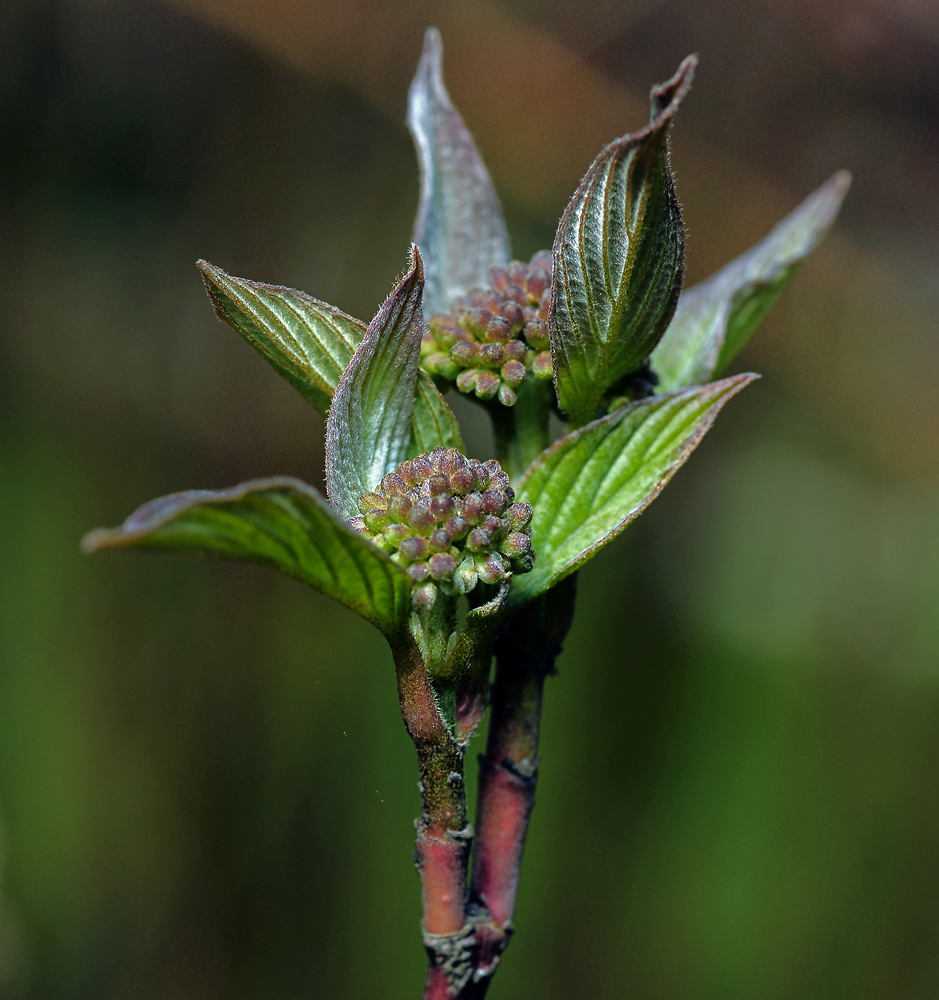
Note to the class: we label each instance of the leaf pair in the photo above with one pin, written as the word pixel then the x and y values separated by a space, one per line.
pixel 283 522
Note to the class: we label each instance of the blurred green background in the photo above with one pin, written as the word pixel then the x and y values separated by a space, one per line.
pixel 205 787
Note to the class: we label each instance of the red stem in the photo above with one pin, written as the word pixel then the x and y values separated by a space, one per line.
pixel 525 656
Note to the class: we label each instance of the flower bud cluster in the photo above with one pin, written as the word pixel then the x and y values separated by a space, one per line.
pixel 450 521
pixel 493 339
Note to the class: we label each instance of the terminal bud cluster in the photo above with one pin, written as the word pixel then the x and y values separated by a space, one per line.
pixel 493 339
pixel 450 521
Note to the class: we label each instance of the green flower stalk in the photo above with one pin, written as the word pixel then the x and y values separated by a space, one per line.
pixel 438 549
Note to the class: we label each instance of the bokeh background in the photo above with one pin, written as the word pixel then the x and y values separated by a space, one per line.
pixel 205 787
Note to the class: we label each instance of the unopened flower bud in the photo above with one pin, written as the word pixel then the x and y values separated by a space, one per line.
pixel 514 313
pixel 536 333
pixel 538 281
pixel 442 566
pixel 399 506
pixel 464 354
pixel 441 507
pixel 499 329
pixel 494 501
pixel 473 508
pixel 376 518
pixel 520 515
pixel 437 484
pixel 462 480
pixel 421 519
pixel 542 367
pixel 516 544
pixel 513 373
pixel 396 534
pixel 393 484
pixel 466 577
pixel 499 278
pixel 478 540
pixel 507 395
pixel 456 528
pixel 439 541
pixel 466 381
pixel 413 549
pixel 491 568
pixel 369 501
pixel 487 384
pixel 491 356
pixel 425 596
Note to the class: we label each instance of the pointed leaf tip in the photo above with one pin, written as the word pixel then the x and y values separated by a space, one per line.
pixel 666 97
pixel 278 522
pixel 459 223
pixel 368 429
pixel 715 319
pixel 587 487
pixel 618 260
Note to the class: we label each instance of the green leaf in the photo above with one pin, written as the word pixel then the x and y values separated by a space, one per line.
pixel 369 425
pixel 310 343
pixel 459 225
pixel 618 260
pixel 432 423
pixel 589 485
pixel 307 341
pixel 279 522
pixel 714 320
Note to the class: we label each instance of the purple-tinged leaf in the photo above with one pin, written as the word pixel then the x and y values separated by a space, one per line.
pixel 369 425
pixel 618 260
pixel 714 320
pixel 278 522
pixel 589 485
pixel 459 225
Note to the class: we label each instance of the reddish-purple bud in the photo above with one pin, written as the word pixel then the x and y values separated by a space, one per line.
pixel 499 278
pixel 424 597
pixel 514 373
pixel 462 480
pixel 491 356
pixel 517 273
pixel 439 541
pixel 516 544
pixel 376 518
pixel 478 540
pixel 399 506
pixel 413 549
pixel 441 507
pixel 514 313
pixel 520 515
pixel 499 329
pixel 437 484
pixel 487 384
pixel 442 566
pixel 536 333
pixel 494 501
pixel 538 281
pixel 473 508
pixel 421 519
pixel 464 353
pixel 456 528
pixel 491 567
